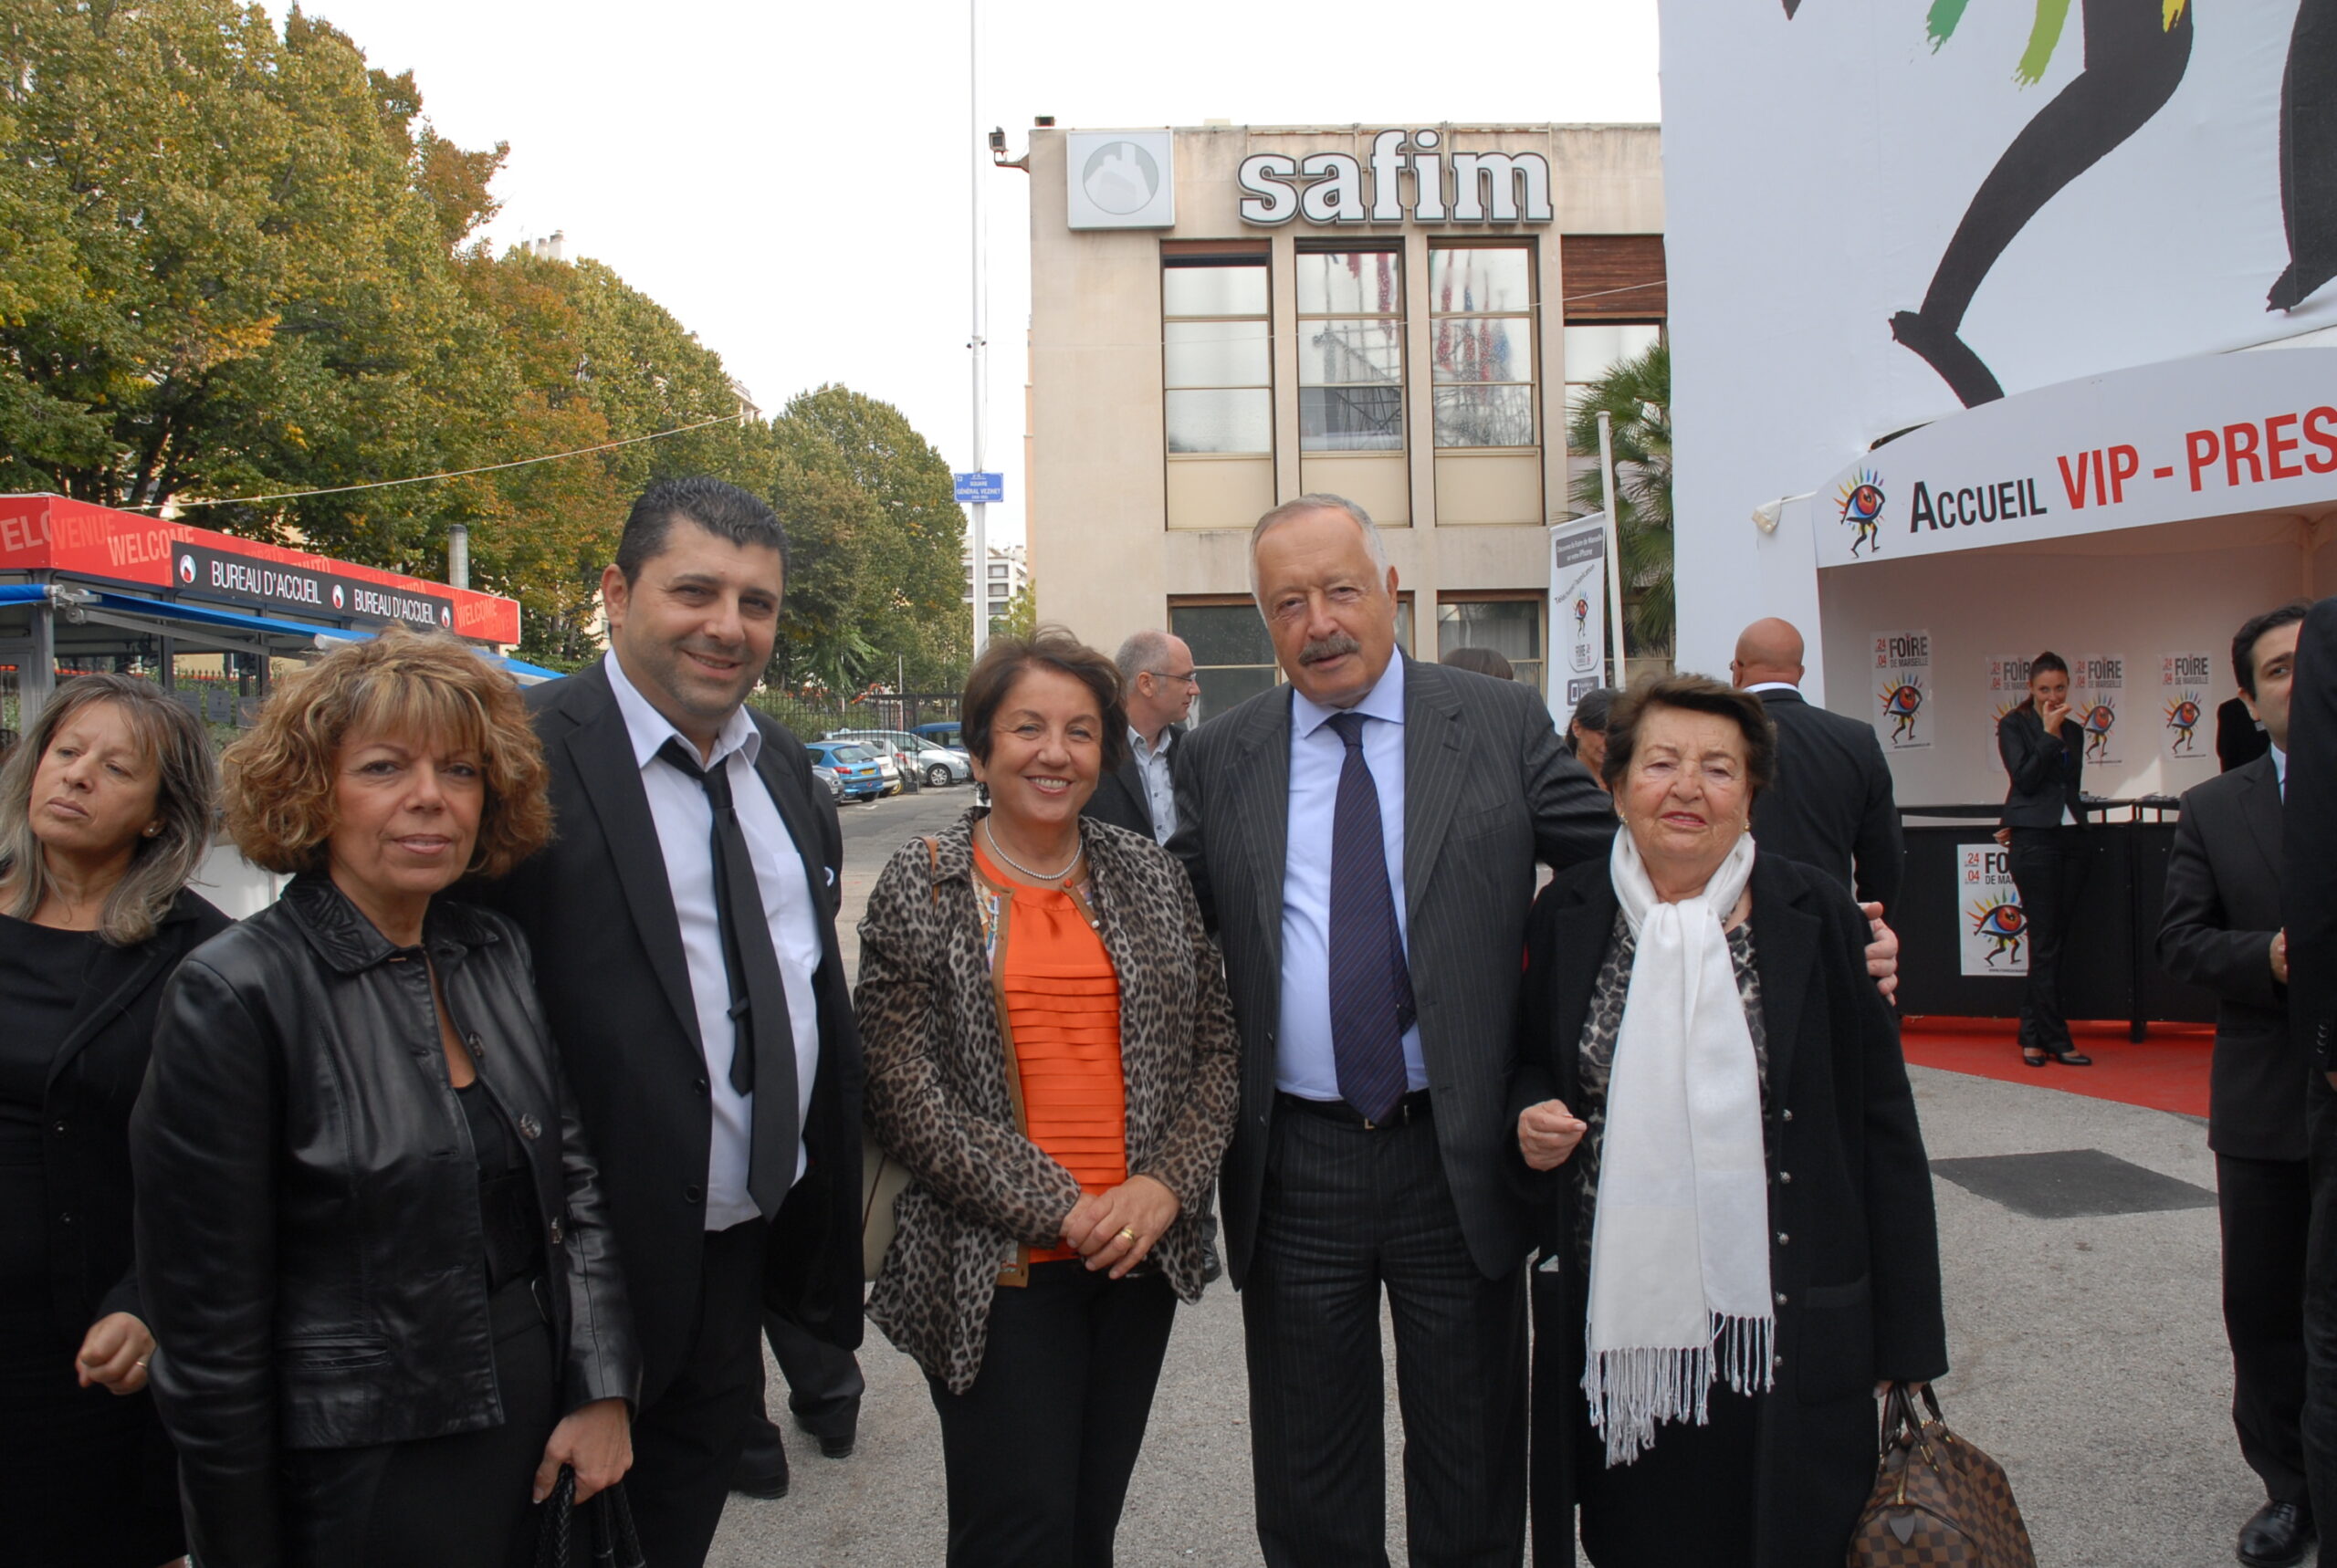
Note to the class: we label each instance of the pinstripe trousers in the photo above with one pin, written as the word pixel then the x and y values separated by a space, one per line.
pixel 1348 1212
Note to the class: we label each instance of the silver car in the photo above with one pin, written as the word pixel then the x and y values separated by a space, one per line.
pixel 919 756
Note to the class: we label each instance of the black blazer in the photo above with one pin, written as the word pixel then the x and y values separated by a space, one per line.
pixel 1854 1251
pixel 2223 906
pixel 2047 775
pixel 1487 793
pixel 93 1082
pixel 2309 844
pixel 1831 805
pixel 615 985
pixel 1120 798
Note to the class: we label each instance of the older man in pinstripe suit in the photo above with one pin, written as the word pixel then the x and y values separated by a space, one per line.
pixel 1364 840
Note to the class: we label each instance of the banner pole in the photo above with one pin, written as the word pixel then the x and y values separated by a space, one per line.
pixel 1614 539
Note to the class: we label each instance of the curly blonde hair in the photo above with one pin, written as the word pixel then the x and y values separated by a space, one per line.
pixel 277 778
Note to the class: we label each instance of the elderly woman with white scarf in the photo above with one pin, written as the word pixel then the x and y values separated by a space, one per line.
pixel 1737 1242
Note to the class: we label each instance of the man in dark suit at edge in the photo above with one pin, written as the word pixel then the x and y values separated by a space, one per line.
pixel 714 1057
pixel 1157 684
pixel 2309 919
pixel 2221 931
pixel 1831 805
pixel 1363 841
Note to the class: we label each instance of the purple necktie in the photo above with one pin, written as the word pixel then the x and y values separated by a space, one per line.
pixel 1371 987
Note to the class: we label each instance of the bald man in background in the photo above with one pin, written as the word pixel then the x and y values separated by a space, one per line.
pixel 1831 805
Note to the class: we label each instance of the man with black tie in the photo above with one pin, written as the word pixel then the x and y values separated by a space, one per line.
pixel 683 929
pixel 2221 931
pixel 1157 684
pixel 1364 840
pixel 1831 805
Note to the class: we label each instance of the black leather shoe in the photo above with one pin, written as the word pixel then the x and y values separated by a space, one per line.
pixel 833 1445
pixel 2277 1536
pixel 763 1464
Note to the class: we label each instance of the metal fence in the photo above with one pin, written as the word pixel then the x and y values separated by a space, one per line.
pixel 810 719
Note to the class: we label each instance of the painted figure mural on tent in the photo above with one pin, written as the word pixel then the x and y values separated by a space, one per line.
pixel 2135 55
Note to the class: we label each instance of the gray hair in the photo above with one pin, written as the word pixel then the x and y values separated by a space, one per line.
pixel 186 800
pixel 1139 654
pixel 1318 501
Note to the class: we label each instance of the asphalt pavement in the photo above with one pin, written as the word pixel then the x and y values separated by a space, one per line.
pixel 2083 1315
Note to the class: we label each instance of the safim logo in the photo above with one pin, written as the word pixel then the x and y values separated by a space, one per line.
pixel 1120 178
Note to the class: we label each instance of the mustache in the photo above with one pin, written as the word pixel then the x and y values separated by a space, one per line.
pixel 1330 647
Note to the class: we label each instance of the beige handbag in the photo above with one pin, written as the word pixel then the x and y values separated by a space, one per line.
pixel 883 1179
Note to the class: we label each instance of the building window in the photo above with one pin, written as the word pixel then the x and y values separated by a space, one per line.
pixel 1511 627
pixel 1481 305
pixel 1233 655
pixel 1594 347
pixel 1216 357
pixel 1350 351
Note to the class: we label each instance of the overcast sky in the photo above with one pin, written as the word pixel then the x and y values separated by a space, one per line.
pixel 793 181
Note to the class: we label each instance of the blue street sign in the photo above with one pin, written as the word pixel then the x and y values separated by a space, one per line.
pixel 987 487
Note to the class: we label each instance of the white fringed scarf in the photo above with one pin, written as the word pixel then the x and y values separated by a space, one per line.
pixel 1680 1247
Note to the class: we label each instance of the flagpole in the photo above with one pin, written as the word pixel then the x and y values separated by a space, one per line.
pixel 1614 537
pixel 978 567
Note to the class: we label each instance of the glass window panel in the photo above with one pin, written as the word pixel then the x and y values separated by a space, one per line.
pixel 1484 416
pixel 1235 421
pixel 1340 352
pixel 1349 282
pixel 1225 688
pixel 1479 277
pixel 1511 627
pixel 1237 291
pixel 1595 349
pixel 1216 354
pixel 1493 348
pixel 1222 634
pixel 1350 419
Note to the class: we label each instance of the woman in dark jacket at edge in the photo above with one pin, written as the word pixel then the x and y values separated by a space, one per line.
pixel 371 1233
pixel 105 811
pixel 1737 1238
pixel 2043 747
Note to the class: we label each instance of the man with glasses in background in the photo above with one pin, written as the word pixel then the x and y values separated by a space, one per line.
pixel 1157 684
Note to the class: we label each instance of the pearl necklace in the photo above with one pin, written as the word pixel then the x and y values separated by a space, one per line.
pixel 999 850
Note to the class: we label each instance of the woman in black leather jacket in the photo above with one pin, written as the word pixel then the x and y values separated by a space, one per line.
pixel 371 1236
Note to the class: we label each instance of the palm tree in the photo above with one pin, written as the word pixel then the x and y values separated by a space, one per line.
pixel 1637 394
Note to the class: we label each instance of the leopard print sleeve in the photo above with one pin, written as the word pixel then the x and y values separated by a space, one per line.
pixel 937 1094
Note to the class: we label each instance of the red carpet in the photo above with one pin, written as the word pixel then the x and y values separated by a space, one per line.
pixel 2168 1072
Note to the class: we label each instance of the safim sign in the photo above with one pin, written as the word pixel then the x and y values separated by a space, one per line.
pixel 1445 187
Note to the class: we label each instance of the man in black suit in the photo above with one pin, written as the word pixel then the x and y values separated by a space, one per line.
pixel 712 1053
pixel 2309 919
pixel 2221 930
pixel 1157 684
pixel 1831 805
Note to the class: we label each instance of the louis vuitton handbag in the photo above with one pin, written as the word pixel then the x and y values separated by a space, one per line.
pixel 1938 1501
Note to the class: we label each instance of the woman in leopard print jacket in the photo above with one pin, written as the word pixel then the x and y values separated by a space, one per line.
pixel 1052 1054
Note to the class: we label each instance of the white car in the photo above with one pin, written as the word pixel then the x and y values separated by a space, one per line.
pixel 934 764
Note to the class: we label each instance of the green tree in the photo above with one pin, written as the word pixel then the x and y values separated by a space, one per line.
pixel 1637 396
pixel 1021 616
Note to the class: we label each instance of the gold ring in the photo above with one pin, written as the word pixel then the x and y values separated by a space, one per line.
pixel 142 1361
pixel 1128 1235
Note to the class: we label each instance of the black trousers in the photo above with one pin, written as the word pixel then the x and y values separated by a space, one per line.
pixel 86 1480
pixel 2266 1206
pixel 2049 867
pixel 2320 1314
pixel 823 1383
pixel 457 1502
pixel 1039 1451
pixel 1348 1212
pixel 685 1444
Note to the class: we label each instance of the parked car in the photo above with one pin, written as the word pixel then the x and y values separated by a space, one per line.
pixel 921 760
pixel 946 734
pixel 858 777
pixel 831 778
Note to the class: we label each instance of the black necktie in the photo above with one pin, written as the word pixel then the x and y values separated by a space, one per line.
pixel 763 1048
pixel 1371 985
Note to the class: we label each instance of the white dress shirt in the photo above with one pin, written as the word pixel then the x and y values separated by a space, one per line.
pixel 2280 770
pixel 1159 788
pixel 1305 1062
pixel 677 804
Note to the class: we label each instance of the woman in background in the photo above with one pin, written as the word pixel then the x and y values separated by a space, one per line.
pixel 2043 747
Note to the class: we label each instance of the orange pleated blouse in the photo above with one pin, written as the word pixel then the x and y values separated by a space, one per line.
pixel 1062 999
